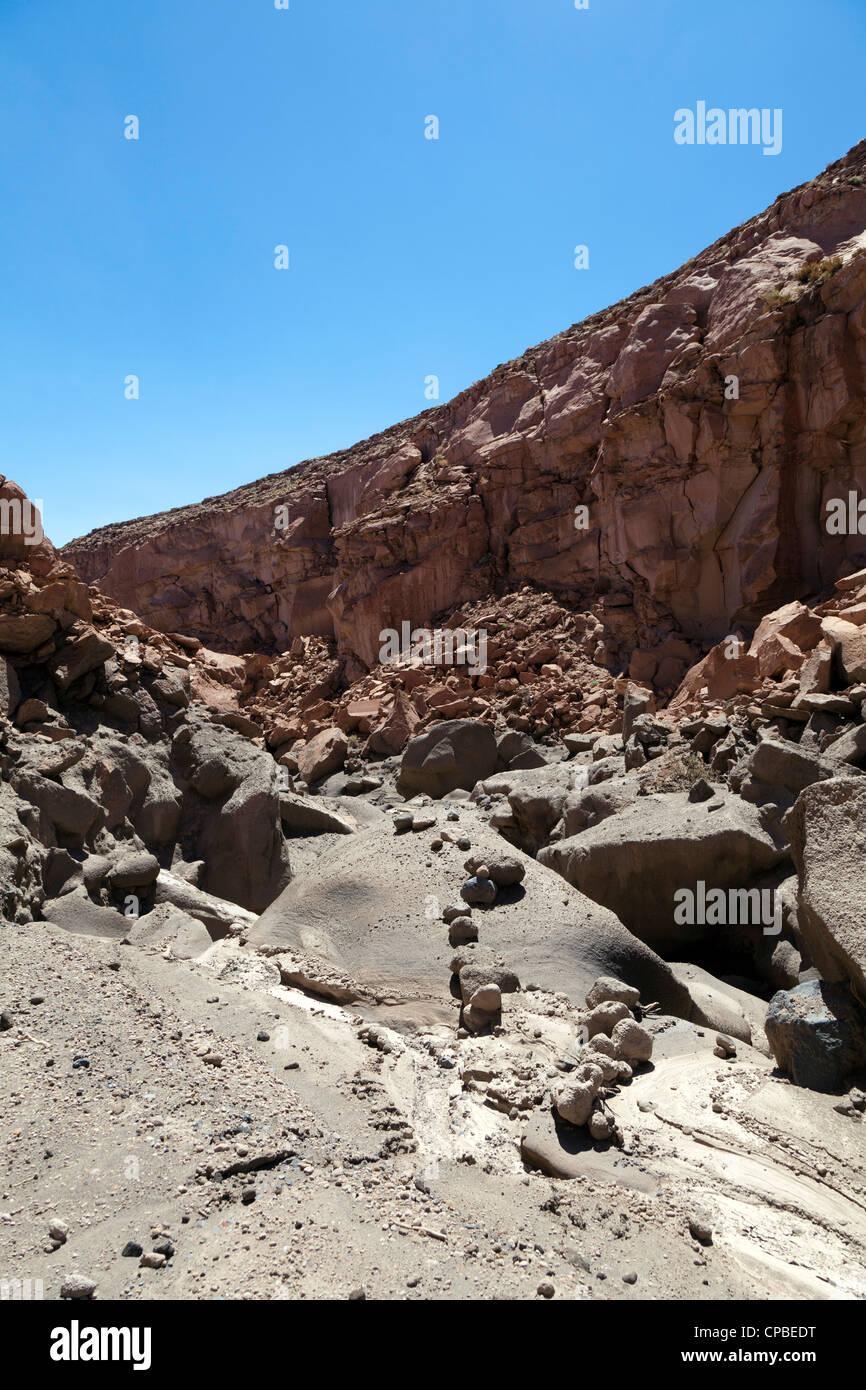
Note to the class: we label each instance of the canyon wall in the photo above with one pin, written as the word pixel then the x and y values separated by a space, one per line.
pixel 704 422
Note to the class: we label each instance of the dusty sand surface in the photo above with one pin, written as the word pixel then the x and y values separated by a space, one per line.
pixel 312 1165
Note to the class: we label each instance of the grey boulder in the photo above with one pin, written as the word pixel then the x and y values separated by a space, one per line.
pixel 456 753
pixel 826 830
pixel 817 1033
pixel 637 861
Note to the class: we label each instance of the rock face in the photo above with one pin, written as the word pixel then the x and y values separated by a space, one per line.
pixel 704 423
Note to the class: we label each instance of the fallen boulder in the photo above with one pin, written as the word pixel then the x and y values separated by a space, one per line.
pixel 457 753
pixel 220 917
pixel 305 815
pixel 325 753
pixel 639 861
pixel 826 830
pixel 817 1033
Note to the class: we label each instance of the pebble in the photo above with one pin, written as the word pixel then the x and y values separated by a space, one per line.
pixel 151 1259
pixel 77 1286
pixel 700 1229
pixel 545 1289
pixel 131 1250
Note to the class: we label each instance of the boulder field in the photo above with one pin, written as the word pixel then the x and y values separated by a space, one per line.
pixel 584 961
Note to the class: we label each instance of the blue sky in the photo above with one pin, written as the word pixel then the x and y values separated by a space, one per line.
pixel 408 257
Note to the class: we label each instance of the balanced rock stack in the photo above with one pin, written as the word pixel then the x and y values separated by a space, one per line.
pixel 615 1044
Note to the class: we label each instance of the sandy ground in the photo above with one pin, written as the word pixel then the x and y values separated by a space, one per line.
pixel 395 1171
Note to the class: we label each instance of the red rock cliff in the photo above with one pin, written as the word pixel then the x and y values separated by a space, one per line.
pixel 705 504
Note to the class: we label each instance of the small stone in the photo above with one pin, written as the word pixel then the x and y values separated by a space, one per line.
pixel 574 1102
pixel 487 999
pixel 248 1195
pixel 700 1229
pixel 131 1250
pixel 213 1059
pixel 263 1036
pixel 600 1126
pixel 151 1259
pixel 77 1286
pixel 479 890
pixel 504 869
pixel 608 990
pixel 58 1230
pixel 632 1041
pixel 6 1021
pixel 545 1289
pixel 702 790
pixel 357 1295
pixel 604 1017
pixel 630 1278
pixel 461 930
pixel 164 1247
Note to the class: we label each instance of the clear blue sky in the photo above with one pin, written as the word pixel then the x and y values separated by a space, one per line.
pixel 409 257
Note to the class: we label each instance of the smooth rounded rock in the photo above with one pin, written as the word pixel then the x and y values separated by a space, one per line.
pixel 632 1041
